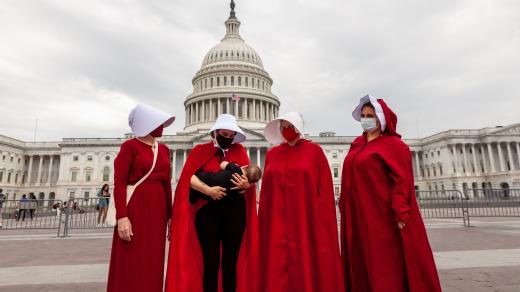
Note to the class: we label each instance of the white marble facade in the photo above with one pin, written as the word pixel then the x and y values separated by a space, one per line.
pixel 77 167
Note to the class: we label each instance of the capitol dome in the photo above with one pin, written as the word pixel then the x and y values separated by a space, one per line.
pixel 232 50
pixel 231 80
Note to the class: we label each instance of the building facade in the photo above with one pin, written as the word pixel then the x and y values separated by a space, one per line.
pixel 232 80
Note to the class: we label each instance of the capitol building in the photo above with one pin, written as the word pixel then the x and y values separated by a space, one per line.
pixel 461 159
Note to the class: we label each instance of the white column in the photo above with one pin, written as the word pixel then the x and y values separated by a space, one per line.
pixel 39 177
pixel 190 116
pixel 264 110
pixel 210 117
pixel 254 110
pixel 417 165
pixel 454 147
pixel 236 109
pixel 228 110
pixel 491 158
pixel 259 110
pixel 244 109
pixel 259 161
pixel 465 159
pixel 49 173
pixel 29 171
pixel 62 173
pixel 186 111
pixel 193 113
pixel 500 157
pixel 184 157
pixel 483 157
pixel 197 114
pixel 518 152
pixel 262 118
pixel 219 107
pixel 477 170
pixel 203 118
pixel 190 113
pixel 174 165
pixel 510 156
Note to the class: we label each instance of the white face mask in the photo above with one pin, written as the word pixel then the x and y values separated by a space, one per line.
pixel 368 124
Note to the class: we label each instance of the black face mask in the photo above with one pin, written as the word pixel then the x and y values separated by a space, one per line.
pixel 224 142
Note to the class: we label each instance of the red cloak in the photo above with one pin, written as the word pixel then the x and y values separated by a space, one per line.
pixel 185 266
pixel 299 246
pixel 377 192
pixel 139 265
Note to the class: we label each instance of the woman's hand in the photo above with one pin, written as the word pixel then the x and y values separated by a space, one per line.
pixel 216 192
pixel 401 225
pixel 241 182
pixel 124 229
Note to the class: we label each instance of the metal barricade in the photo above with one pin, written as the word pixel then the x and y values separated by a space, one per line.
pixel 443 205
pixel 493 202
pixel 31 214
pixel 85 213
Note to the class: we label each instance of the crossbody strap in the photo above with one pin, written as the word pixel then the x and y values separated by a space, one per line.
pixel 155 151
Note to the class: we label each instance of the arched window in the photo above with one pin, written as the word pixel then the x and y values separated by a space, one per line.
pixel 239 81
pixel 218 81
pixel 74 174
pixel 247 82
pixel 211 82
pixel 106 173
pixel 88 176
pixel 225 80
pixel 232 80
pixel 205 83
pixel 52 197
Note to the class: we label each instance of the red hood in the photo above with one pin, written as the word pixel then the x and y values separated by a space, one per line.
pixel 391 120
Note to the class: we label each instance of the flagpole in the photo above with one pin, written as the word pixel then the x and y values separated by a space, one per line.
pixel 35 129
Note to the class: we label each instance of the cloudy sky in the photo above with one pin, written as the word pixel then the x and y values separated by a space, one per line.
pixel 78 67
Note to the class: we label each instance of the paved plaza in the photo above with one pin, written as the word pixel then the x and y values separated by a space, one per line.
pixel 484 257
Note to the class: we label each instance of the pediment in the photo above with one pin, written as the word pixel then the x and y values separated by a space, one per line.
pixel 509 130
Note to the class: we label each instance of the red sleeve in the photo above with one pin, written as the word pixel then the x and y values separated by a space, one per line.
pixel 168 187
pixel 398 160
pixel 266 161
pixel 122 165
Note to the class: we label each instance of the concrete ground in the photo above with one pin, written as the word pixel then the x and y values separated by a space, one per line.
pixel 484 257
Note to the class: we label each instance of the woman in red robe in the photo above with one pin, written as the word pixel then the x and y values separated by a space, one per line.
pixel 384 242
pixel 138 245
pixel 299 246
pixel 203 251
